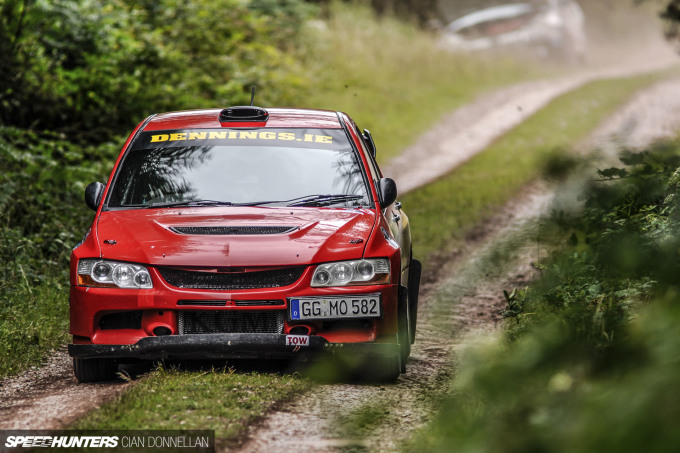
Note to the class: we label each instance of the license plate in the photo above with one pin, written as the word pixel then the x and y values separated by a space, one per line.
pixel 335 307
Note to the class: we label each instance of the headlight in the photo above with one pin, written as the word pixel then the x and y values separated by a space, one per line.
pixel 374 271
pixel 113 274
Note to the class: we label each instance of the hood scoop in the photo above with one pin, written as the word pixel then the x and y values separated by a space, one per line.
pixel 233 230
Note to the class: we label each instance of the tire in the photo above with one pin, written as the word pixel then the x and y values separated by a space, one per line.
pixel 94 370
pixel 413 290
pixel 382 369
pixel 404 334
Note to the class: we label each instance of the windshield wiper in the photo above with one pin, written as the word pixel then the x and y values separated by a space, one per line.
pixel 175 204
pixel 307 200
pixel 322 200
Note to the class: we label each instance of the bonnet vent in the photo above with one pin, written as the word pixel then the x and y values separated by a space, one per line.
pixel 233 230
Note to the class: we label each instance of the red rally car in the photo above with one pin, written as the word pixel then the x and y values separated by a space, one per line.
pixel 244 233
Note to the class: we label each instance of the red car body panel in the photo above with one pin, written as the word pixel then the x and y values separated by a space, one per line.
pixel 205 119
pixel 145 236
pixel 317 235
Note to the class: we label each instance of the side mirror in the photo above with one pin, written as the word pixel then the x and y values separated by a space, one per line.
pixel 369 141
pixel 93 195
pixel 388 192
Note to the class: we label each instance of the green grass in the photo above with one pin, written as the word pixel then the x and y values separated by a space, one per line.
pixel 394 79
pixel 32 322
pixel 447 209
pixel 363 421
pixel 171 399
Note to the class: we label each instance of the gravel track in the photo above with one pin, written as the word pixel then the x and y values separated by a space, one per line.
pixel 473 127
pixel 48 397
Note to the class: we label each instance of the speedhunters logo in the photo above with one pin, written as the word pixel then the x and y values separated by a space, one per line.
pixel 109 441
pixel 62 441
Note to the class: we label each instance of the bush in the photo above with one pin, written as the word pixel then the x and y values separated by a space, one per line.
pixel 589 361
pixel 92 68
pixel 42 213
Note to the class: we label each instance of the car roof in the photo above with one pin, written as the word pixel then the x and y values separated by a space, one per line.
pixel 278 117
pixel 488 14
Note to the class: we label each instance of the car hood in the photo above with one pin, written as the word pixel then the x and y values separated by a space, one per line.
pixel 234 236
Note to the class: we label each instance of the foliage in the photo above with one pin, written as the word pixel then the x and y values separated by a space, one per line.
pixel 590 359
pixel 672 15
pixel 42 214
pixel 622 248
pixel 33 319
pixel 92 67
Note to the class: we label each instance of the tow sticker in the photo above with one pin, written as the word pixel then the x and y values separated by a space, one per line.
pixel 297 340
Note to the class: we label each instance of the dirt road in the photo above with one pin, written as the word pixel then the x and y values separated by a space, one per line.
pixel 453 308
pixel 48 397
pixel 470 129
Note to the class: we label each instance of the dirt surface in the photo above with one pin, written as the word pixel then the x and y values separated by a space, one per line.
pixel 473 127
pixel 48 397
pixel 651 115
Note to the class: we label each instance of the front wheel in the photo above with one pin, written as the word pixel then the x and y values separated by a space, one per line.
pixel 384 368
pixel 404 323
pixel 94 370
pixel 413 290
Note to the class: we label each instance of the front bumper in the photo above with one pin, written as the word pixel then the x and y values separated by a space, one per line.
pixel 227 346
pixel 160 307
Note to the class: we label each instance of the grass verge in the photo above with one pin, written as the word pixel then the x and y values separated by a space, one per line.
pixel 32 322
pixel 222 400
pixel 446 210
pixel 393 78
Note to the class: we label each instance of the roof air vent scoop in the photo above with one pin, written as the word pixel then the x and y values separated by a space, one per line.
pixel 244 114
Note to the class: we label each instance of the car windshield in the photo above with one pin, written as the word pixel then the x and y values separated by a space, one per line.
pixel 290 167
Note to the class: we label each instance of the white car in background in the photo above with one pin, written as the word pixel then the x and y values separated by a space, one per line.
pixel 541 27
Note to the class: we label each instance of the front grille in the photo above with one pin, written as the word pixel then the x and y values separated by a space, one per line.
pixel 233 280
pixel 238 303
pixel 233 230
pixel 207 303
pixel 246 303
pixel 227 321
